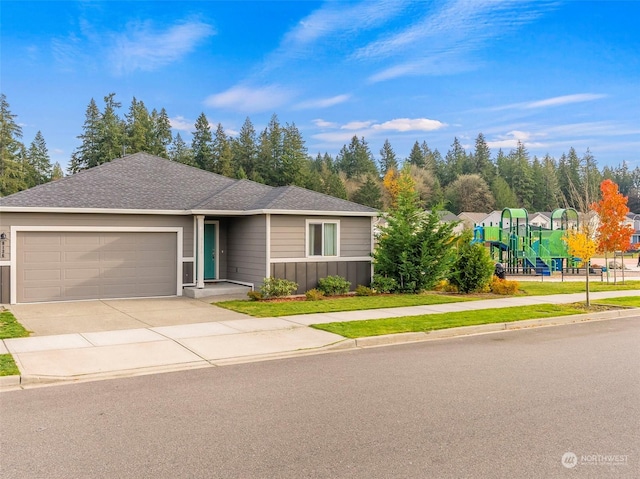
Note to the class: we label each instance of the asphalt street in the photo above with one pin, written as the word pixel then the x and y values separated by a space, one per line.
pixel 510 404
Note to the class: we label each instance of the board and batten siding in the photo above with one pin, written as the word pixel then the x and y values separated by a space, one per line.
pixel 247 249
pixel 10 219
pixel 288 236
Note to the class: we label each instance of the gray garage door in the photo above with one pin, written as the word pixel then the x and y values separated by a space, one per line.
pixel 60 266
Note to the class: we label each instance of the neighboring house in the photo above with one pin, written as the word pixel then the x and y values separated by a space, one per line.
pixel 470 219
pixel 449 217
pixel 143 226
pixel 492 219
pixel 633 219
pixel 541 219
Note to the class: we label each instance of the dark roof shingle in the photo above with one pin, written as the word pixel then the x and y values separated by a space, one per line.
pixel 146 182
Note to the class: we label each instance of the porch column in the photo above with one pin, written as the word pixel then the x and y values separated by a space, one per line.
pixel 200 254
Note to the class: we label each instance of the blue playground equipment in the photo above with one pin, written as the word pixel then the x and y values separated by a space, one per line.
pixel 523 248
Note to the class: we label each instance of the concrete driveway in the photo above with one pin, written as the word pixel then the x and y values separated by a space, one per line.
pixel 45 319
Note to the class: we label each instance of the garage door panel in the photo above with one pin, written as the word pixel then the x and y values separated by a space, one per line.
pixel 78 265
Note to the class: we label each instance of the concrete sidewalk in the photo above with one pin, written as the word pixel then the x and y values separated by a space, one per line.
pixel 229 338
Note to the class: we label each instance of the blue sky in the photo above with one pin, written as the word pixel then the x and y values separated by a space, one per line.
pixel 552 74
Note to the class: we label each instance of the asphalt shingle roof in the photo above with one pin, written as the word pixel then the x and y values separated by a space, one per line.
pixel 146 182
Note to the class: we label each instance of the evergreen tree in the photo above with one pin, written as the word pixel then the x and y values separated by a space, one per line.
pixel 11 178
pixel 180 152
pixel 482 163
pixel 201 144
pixel 111 132
pixel 162 136
pixel 56 172
pixel 415 249
pixel 430 157
pixel 416 156
pixel 503 194
pixel 221 150
pixel 270 150
pixel 522 179
pixel 455 161
pixel 369 193
pixel 138 128
pixel 356 160
pixel 39 161
pixel 295 163
pixel 245 150
pixel 87 154
pixel 388 158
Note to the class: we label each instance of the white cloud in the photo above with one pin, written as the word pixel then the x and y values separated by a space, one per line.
pixel 245 99
pixel 181 123
pixel 356 125
pixel 322 102
pixel 510 140
pixel 410 124
pixel 564 100
pixel 320 123
pixel 141 47
pixel 551 102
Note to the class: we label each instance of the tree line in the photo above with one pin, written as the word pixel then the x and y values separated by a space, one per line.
pixel 462 180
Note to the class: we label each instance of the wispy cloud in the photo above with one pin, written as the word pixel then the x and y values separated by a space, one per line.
pixel 322 102
pixel 335 20
pixel 250 100
pixel 141 47
pixel 438 41
pixel 356 125
pixel 552 102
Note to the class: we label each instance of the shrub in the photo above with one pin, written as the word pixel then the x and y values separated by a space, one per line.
pixel 333 285
pixel 446 287
pixel 364 291
pixel 384 284
pixel 277 287
pixel 254 295
pixel 314 295
pixel 504 286
pixel 473 268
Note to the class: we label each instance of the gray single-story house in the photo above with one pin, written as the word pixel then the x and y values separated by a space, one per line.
pixel 142 226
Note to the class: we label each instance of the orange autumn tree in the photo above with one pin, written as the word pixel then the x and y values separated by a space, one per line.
pixel 613 233
pixel 390 182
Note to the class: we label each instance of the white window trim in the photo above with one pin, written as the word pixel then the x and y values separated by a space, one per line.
pixel 306 237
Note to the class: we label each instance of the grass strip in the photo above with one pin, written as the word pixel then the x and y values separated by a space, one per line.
pixel 10 327
pixel 8 365
pixel 542 288
pixel 625 301
pixel 430 322
pixel 265 309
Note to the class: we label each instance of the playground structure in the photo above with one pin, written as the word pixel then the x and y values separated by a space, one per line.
pixel 526 249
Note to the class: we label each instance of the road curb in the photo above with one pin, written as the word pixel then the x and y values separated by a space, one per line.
pixel 9 383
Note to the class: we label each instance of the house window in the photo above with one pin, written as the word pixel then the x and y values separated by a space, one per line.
pixel 322 239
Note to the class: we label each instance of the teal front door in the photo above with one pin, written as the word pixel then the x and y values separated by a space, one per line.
pixel 209 251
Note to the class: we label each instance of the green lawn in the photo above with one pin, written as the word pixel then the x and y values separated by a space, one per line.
pixel 264 309
pixel 9 328
pixel 625 302
pixel 430 322
pixel 8 366
pixel 542 288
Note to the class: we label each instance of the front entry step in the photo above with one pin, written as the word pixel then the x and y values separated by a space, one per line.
pixel 217 289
